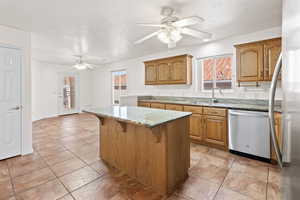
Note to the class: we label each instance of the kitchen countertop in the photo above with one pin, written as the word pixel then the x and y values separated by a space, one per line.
pixel 148 117
pixel 261 105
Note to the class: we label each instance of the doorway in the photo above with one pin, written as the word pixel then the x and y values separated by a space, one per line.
pixel 10 102
pixel 68 94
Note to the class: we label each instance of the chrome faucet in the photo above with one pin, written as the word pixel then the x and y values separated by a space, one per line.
pixel 213 98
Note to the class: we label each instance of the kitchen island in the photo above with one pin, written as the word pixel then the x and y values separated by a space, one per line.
pixel 150 145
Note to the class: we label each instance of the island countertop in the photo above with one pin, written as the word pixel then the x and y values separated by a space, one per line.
pixel 148 117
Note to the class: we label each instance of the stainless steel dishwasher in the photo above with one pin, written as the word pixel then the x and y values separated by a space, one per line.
pixel 249 133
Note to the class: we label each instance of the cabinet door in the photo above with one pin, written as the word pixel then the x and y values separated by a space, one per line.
pixel 174 107
pixel 143 104
pixel 250 62
pixel 163 71
pixel 278 129
pixel 158 105
pixel 215 131
pixel 196 127
pixel 178 70
pixel 150 73
pixel 272 49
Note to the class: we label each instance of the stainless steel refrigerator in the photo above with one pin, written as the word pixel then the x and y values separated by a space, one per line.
pixel 291 98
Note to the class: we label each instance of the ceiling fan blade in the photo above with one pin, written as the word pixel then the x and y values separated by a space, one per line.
pixel 197 34
pixel 152 25
pixel 188 21
pixel 147 37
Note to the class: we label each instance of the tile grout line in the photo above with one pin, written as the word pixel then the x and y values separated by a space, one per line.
pixel 68 191
pixel 56 178
pixel 11 180
pixel 29 171
pixel 267 183
pixel 87 165
pixel 215 196
pixel 73 153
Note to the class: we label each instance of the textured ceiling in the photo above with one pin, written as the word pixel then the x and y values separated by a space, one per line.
pixel 106 29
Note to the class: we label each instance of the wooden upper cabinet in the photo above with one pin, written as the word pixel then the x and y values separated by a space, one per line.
pixel 163 71
pixel 250 62
pixel 150 72
pixel 172 70
pixel 256 61
pixel 272 49
pixel 178 69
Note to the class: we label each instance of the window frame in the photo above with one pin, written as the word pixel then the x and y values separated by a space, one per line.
pixel 200 63
pixel 113 85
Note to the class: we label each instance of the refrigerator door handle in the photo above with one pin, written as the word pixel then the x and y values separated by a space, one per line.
pixel 271 109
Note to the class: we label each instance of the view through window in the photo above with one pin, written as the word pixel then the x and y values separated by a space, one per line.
pixel 119 85
pixel 217 72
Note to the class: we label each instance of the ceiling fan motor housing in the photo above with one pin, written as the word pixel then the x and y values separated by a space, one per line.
pixel 167 11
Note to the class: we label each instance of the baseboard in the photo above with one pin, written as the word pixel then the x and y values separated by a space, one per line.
pixel 26 152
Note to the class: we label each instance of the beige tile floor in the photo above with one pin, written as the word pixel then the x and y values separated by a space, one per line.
pixel 65 165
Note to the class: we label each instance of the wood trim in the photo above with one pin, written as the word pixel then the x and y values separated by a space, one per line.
pixel 175 107
pixel 158 105
pixel 178 56
pixel 193 109
pixel 215 111
pixel 101 119
pixel 260 41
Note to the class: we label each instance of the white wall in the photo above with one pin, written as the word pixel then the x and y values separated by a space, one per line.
pixel 135 70
pixel 21 39
pixel 45 89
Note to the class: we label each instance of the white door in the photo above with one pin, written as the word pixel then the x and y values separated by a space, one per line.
pixel 68 93
pixel 10 102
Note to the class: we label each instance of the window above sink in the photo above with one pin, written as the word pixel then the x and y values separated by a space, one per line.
pixel 216 72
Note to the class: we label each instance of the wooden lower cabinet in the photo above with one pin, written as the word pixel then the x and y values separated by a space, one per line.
pixel 144 104
pixel 278 129
pixel 196 127
pixel 174 107
pixel 158 105
pixel 208 125
pixel 215 131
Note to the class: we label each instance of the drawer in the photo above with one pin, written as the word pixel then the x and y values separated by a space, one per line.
pixel 214 111
pixel 158 105
pixel 144 104
pixel 174 107
pixel 193 109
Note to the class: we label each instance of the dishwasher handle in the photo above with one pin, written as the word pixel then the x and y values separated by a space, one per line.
pixel 248 114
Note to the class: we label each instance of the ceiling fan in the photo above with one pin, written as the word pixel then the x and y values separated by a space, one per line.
pixel 83 64
pixel 172 28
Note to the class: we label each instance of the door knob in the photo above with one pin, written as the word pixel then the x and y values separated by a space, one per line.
pixel 16 108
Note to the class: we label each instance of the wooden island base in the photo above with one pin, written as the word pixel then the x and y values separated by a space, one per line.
pixel 158 157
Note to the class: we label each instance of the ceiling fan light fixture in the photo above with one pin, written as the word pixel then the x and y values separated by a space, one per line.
pixel 81 66
pixel 170 36
pixel 206 39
